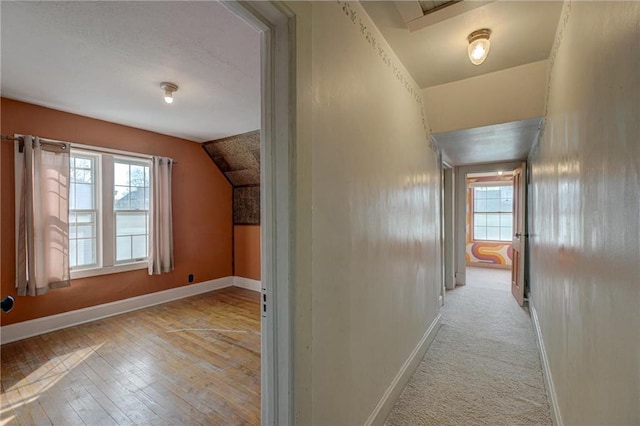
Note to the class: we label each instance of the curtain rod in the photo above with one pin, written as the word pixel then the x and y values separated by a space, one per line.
pixel 79 146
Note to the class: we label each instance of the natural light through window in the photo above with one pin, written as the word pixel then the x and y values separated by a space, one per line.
pixel 492 213
pixel 83 211
pixel 131 206
pixel 109 208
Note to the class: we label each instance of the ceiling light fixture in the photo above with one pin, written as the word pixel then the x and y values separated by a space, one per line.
pixel 479 45
pixel 168 88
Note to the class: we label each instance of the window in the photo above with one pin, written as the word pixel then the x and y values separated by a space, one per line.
pixel 109 201
pixel 131 209
pixel 493 213
pixel 83 211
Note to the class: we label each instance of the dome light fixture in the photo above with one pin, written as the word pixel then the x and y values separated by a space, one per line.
pixel 168 88
pixel 479 45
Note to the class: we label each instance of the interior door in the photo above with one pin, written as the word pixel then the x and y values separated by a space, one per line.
pixel 517 269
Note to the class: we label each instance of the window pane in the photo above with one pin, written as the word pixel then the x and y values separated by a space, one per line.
pixel 506 219
pixel 86 252
pixel 479 193
pixel 72 196
pixel 137 175
pixel 136 198
pixel 83 163
pixel 480 205
pixel 121 174
pixel 479 219
pixel 493 233
pixel 84 231
pixel 493 205
pixel 139 243
pixel 506 192
pixel 84 196
pixel 493 192
pixel 506 205
pixel 82 218
pixel 493 219
pixel 123 248
pixel 122 198
pixel 480 233
pixel 72 253
pixel 131 223
pixel 505 233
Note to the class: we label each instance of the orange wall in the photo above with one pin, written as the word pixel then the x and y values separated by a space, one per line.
pixel 202 211
pixel 485 253
pixel 247 251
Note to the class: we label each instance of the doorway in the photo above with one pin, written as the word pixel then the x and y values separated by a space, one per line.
pixel 489 229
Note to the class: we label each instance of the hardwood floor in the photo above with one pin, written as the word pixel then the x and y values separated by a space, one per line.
pixel 192 361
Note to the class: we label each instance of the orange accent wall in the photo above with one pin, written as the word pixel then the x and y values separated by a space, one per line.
pixel 202 211
pixel 247 251
pixel 485 253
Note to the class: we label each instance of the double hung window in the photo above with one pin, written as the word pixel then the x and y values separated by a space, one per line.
pixel 492 213
pixel 109 207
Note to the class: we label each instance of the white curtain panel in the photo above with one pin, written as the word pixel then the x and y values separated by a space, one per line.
pixel 43 231
pixel 161 235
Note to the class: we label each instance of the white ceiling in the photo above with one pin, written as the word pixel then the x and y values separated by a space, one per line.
pixel 107 59
pixel 489 144
pixel 522 32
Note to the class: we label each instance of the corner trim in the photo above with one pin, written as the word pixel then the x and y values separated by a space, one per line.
pixel 391 394
pixel 35 327
pixel 247 283
pixel 556 416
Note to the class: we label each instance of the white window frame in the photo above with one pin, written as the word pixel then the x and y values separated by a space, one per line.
pixel 97 207
pixel 106 262
pixel 473 210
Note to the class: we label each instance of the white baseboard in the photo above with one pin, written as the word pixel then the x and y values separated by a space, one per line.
pixel 382 410
pixel 25 329
pixel 247 283
pixel 556 416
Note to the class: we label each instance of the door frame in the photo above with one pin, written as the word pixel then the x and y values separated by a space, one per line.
pixel 460 211
pixel 276 23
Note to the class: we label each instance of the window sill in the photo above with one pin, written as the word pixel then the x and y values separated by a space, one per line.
pixel 94 272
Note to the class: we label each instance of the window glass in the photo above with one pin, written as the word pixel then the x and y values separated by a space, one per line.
pixel 131 208
pixel 83 214
pixel 492 213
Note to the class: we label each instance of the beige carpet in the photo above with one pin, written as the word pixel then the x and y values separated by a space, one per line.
pixel 482 368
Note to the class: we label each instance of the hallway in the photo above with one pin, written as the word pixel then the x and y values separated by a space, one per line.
pixel 483 367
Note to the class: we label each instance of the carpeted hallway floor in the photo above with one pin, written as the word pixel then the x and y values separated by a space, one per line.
pixel 482 368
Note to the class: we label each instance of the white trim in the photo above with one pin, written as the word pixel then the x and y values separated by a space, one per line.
pixel 106 270
pixel 247 283
pixel 386 403
pixel 556 416
pixel 35 327
pixel 277 24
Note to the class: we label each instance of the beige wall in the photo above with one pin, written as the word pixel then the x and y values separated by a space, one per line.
pixel 498 97
pixel 585 223
pixel 368 274
pixel 202 235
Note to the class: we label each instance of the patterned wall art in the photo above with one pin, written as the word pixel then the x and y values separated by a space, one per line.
pixel 485 253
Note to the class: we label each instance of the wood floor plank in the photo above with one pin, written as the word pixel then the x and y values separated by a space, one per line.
pixel 189 362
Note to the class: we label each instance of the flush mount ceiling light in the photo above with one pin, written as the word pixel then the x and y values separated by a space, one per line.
pixel 168 88
pixel 479 45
